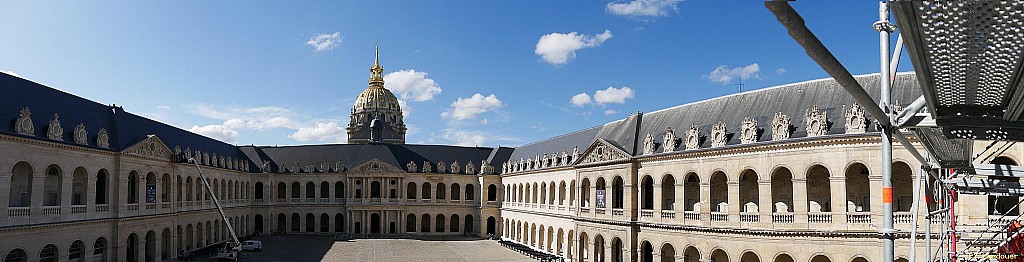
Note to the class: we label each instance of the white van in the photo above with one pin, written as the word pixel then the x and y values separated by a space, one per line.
pixel 252 245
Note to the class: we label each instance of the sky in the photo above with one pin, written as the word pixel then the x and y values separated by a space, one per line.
pixel 471 73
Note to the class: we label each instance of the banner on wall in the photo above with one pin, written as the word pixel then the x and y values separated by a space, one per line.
pixel 600 198
pixel 150 193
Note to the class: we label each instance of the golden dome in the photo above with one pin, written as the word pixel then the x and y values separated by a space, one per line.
pixel 376 98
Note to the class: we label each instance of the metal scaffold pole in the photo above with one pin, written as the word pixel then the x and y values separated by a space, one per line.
pixel 885 28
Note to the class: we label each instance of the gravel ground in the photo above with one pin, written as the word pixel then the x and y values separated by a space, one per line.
pixel 325 248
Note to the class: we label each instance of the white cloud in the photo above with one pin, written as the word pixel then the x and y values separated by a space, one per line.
pixel 724 75
pixel 610 112
pixel 613 95
pixel 218 132
pixel 642 8
pixel 329 131
pixel 406 109
pixel 163 107
pixel 558 48
pixel 580 100
pixel 470 108
pixel 412 85
pixel 781 71
pixel 464 137
pixel 325 42
pixel 257 118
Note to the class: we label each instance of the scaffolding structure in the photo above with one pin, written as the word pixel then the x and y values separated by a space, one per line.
pixel 967 56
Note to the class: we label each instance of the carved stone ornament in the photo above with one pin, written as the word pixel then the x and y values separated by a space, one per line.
pixel 309 168
pixel 470 168
pixel 441 168
pixel 601 152
pixel 575 153
pixel 780 127
pixel 325 167
pixel 426 167
pixel 748 131
pixel 649 145
pixel 102 139
pixel 670 141
pixel 24 124
pixel 455 167
pixel 546 161
pixel 411 167
pixel 486 168
pixel 82 136
pixel 855 121
pixel 294 168
pixel 816 122
pixel 55 132
pixel 718 135
pixel 565 158
pixel 692 137
pixel 265 168
pixel 339 166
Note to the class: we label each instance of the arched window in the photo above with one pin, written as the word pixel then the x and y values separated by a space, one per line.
pixel 647 192
pixel 101 187
pixel 310 222
pixel 858 193
pixel 52 186
pixel 719 192
pixel 469 224
pixel 339 223
pixel 99 249
pixel 441 191
pixel 618 194
pixel 455 191
pixel 49 254
pixel 425 224
pixel 75 252
pixel 165 188
pixel 150 185
pixel 258 191
pixel 600 187
pixel 79 185
pixel 470 192
pixel 585 193
pixel 325 223
pixel 410 223
pixel 454 226
pixel 180 190
pixel 668 193
pixel 749 197
pixel 133 188
pixel 310 190
pixel 410 191
pixel 296 224
pixel 375 189
pixel 325 190
pixel 21 188
pixel 296 188
pixel 439 223
pixel 492 193
pixel 17 255
pixel 819 190
pixel 282 190
pixel 339 189
pixel 426 190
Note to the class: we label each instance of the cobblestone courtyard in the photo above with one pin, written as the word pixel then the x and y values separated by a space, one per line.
pixel 325 248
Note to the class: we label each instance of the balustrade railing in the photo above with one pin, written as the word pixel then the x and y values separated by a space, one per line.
pixel 78 209
pixel 903 217
pixel 668 214
pixel 617 212
pixel 426 201
pixel 819 217
pixel 691 215
pixel 19 211
pixel 584 210
pixel 858 218
pixel 150 205
pixel 599 211
pixel 782 218
pixel 51 211
pixel 750 217
pixel 258 201
pixel 719 216
pixel 133 207
pixel 103 208
pixel 562 208
pixel 165 205
pixel 295 200
pixel 646 213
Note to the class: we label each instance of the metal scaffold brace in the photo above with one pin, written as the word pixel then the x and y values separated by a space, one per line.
pixel 233 247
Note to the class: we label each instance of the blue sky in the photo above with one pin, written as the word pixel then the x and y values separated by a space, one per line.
pixel 469 72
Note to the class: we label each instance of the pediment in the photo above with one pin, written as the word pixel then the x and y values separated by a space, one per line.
pixel 377 166
pixel 602 151
pixel 151 147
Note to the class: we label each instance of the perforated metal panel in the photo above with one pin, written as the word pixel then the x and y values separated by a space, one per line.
pixel 968 57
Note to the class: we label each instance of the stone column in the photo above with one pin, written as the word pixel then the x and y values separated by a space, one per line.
pixel 764 203
pixel 5 193
pixel 875 191
pixel 705 203
pixel 800 200
pixel 658 198
pixel 838 191
pixel 38 178
pixel 735 205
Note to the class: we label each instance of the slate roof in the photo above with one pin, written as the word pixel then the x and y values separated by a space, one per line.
pixel 397 155
pixel 791 99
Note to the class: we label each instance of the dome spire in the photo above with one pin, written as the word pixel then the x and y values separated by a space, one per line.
pixel 376 72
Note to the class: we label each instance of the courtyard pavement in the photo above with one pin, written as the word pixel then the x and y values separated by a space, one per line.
pixel 301 248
